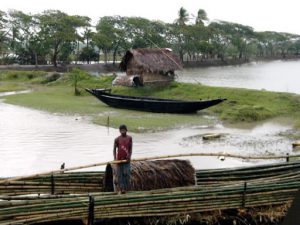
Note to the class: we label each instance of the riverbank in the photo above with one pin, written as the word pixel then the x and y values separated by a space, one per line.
pixel 233 62
pixel 96 67
pixel 243 106
pixel 103 68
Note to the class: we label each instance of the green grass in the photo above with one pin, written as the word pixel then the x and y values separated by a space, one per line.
pixel 20 80
pixel 15 75
pixel 60 99
pixel 242 105
pixel 4 87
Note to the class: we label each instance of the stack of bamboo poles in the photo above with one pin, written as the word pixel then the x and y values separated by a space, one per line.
pixel 60 183
pixel 275 170
pixel 273 184
pixel 89 182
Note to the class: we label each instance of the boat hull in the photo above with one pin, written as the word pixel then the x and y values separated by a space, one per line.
pixel 152 104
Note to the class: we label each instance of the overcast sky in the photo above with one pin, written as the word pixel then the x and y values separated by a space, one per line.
pixel 262 15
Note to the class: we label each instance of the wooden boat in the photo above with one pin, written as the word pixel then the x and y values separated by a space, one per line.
pixel 149 104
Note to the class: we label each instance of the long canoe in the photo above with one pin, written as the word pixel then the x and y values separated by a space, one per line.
pixel 150 104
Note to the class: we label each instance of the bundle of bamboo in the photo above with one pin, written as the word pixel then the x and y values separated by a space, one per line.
pixel 274 170
pixel 165 202
pixel 62 183
pixel 268 185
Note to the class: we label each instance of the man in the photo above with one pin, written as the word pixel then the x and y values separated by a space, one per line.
pixel 122 151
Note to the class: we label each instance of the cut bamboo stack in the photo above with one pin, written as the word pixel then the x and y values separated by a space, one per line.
pixel 63 183
pixel 273 184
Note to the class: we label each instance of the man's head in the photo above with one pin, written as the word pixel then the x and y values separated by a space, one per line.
pixel 123 129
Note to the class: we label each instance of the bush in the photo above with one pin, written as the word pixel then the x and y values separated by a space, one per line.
pixel 77 75
pixel 51 77
pixel 20 75
pixel 248 113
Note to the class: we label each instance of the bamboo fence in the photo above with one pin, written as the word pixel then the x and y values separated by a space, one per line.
pixel 248 187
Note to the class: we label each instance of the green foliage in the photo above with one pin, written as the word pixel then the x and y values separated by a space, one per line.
pixel 201 16
pixel 183 17
pixel 77 75
pixel 248 113
pixel 88 54
pixel 58 32
pixel 4 35
pixel 20 75
pixel 61 38
pixel 5 87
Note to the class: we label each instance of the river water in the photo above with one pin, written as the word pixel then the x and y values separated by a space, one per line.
pixel 33 141
pixel 282 76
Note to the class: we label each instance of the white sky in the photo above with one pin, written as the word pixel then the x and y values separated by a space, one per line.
pixel 262 15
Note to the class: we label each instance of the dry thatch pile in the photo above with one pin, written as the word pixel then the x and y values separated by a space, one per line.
pixel 136 61
pixel 149 175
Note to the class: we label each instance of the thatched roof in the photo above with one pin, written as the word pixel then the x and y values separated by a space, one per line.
pixel 152 60
pixel 149 175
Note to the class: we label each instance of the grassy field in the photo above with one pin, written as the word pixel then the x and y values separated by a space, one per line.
pixel 242 106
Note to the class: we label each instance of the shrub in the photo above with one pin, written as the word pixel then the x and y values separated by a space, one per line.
pixel 77 75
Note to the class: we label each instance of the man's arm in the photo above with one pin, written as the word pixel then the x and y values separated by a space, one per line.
pixel 130 148
pixel 115 148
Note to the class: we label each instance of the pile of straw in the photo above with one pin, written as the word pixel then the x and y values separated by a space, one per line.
pixel 150 175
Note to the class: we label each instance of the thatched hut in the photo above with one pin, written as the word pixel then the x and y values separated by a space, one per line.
pixel 149 175
pixel 152 66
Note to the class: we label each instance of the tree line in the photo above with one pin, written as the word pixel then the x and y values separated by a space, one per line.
pixel 56 37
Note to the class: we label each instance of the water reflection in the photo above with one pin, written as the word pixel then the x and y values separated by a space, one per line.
pixel 280 76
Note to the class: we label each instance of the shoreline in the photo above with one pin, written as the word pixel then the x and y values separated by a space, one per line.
pixel 104 68
pixel 233 62
pixel 243 106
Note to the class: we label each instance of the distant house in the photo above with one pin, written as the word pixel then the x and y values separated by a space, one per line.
pixel 150 66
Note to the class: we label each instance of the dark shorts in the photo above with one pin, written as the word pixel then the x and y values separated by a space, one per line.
pixel 122 177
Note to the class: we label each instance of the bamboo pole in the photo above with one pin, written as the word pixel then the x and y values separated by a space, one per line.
pixel 150 158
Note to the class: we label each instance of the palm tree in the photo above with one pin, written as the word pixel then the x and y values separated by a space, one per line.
pixel 201 16
pixel 183 17
pixel 88 35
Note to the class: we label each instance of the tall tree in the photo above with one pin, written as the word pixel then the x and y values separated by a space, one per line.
pixel 226 34
pixel 4 33
pixel 110 35
pixel 58 30
pixel 24 41
pixel 183 17
pixel 88 52
pixel 201 16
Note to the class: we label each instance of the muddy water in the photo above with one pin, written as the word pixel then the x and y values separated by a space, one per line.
pixel 282 76
pixel 33 141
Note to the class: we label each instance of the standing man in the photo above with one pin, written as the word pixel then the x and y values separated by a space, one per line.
pixel 122 151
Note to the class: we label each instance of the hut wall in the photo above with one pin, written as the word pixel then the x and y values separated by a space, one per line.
pixel 149 175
